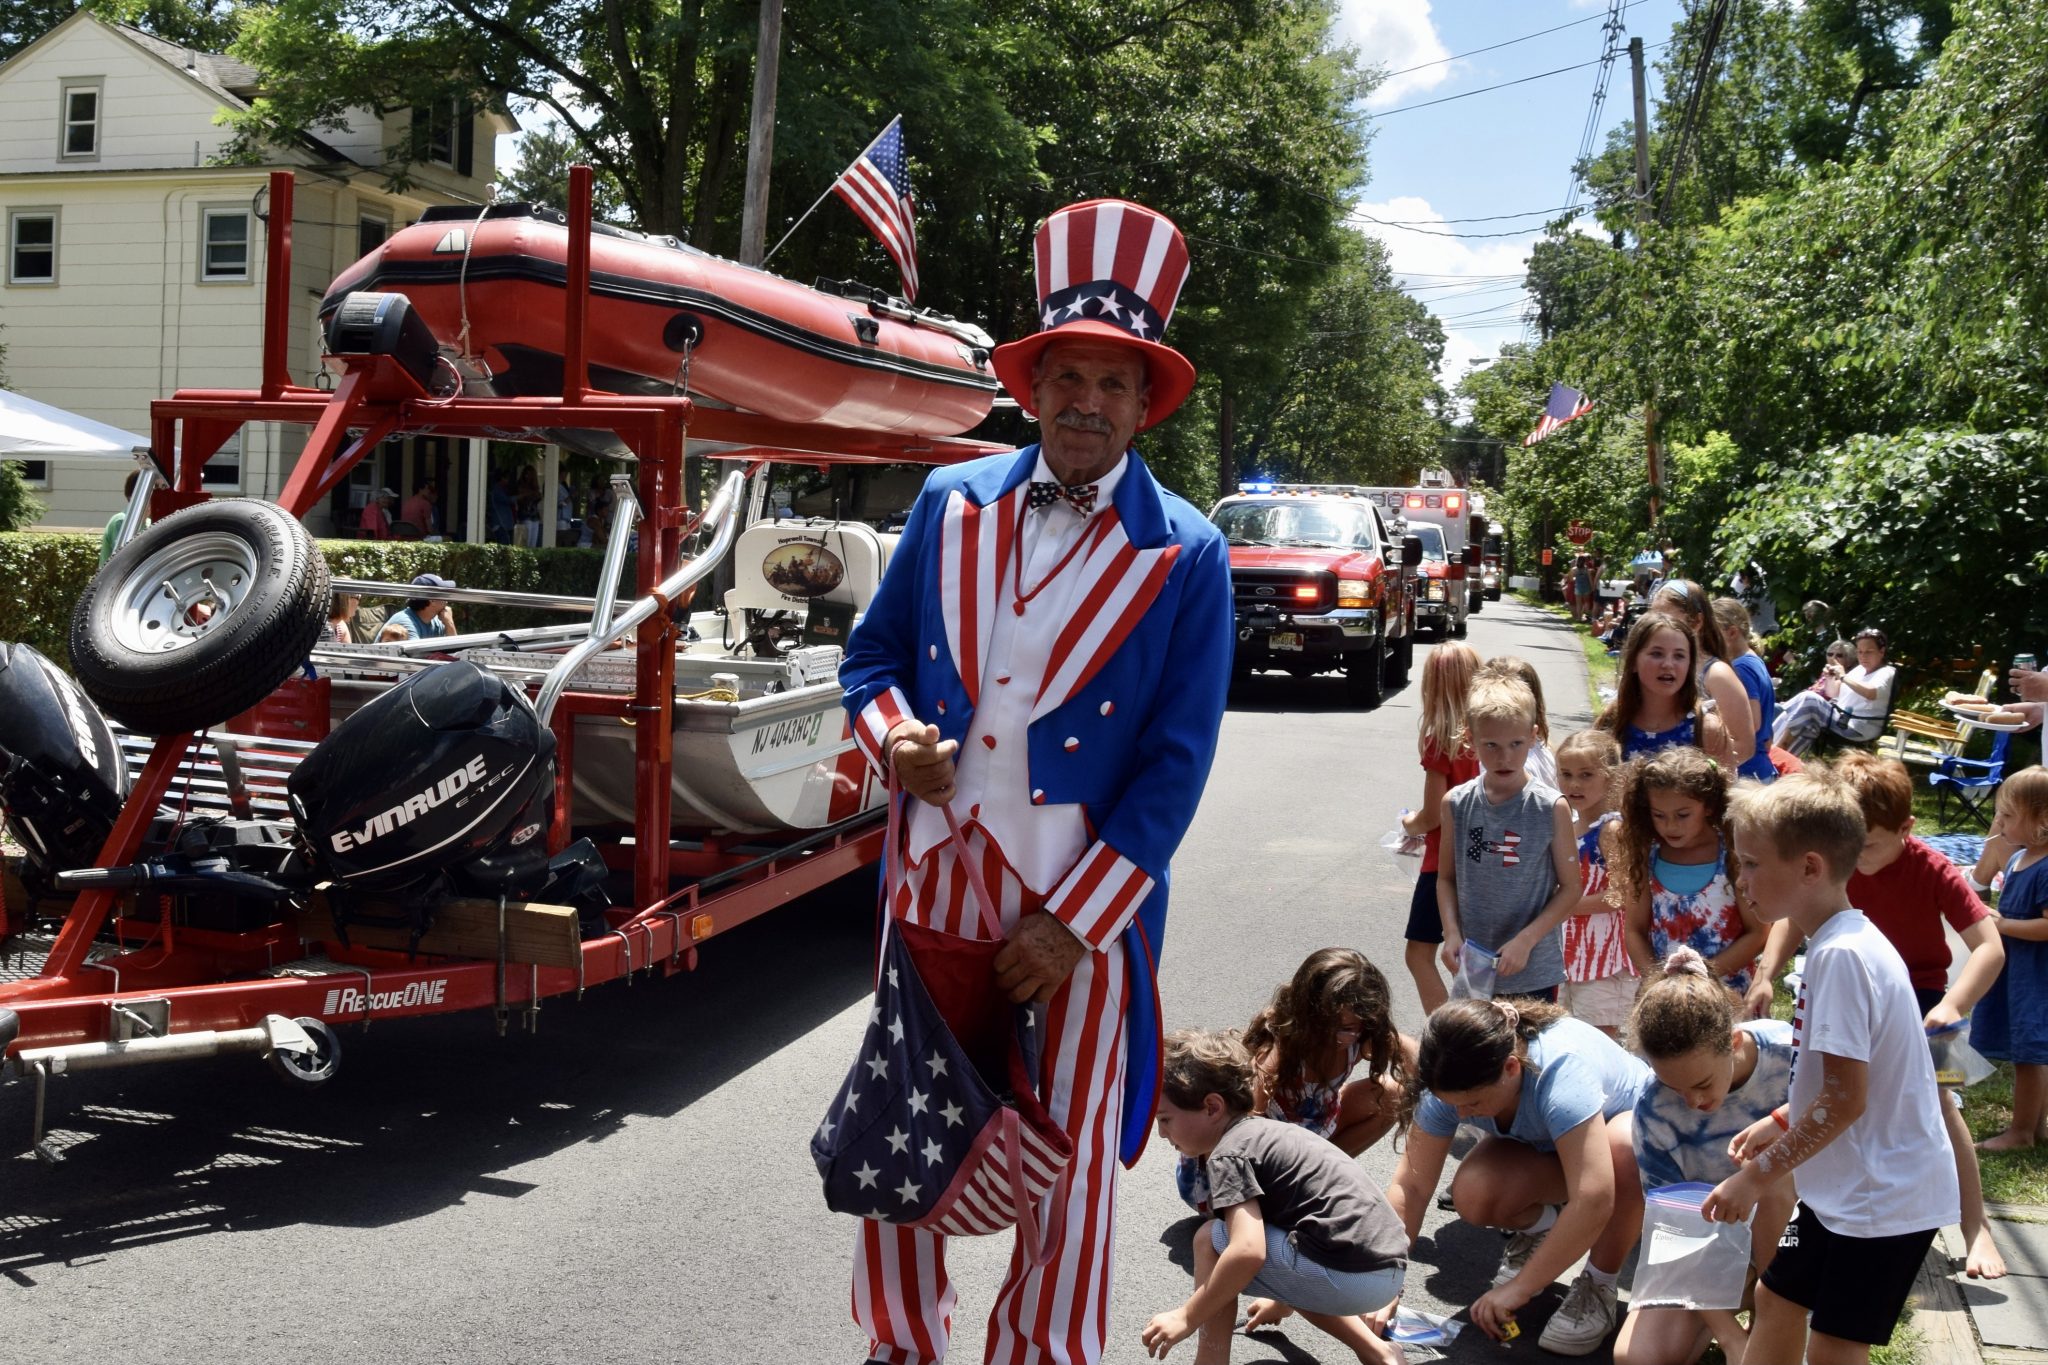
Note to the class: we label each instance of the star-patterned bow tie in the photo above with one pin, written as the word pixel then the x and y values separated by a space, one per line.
pixel 1079 496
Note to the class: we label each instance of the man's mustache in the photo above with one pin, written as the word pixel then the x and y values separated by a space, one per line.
pixel 1082 421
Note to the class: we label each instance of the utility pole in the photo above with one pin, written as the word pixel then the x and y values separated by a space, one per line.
pixel 761 135
pixel 1652 454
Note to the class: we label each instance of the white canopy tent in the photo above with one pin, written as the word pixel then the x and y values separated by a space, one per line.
pixel 31 430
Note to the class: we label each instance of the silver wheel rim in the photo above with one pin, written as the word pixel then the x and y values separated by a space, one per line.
pixel 184 592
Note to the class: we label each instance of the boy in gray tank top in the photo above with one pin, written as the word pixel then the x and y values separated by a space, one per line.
pixel 1510 871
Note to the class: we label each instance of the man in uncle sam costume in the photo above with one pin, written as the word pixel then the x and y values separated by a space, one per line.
pixel 1049 653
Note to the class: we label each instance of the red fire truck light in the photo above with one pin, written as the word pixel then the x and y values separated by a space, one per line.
pixel 1415 499
pixel 1452 502
pixel 1307 592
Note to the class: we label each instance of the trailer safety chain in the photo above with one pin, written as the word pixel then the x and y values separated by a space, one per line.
pixel 675 952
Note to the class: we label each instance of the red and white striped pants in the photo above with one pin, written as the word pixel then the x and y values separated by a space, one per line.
pixel 1059 1314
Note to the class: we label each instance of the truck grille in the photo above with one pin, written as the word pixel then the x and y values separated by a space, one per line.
pixel 1275 588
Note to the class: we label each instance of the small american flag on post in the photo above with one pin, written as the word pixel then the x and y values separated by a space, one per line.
pixel 877 188
pixel 1565 405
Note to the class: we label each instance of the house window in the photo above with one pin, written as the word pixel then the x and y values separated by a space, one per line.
pixel 81 117
pixel 35 472
pixel 370 234
pixel 224 245
pixel 434 129
pixel 32 246
pixel 224 470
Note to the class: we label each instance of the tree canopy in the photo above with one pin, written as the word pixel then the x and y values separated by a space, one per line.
pixel 1836 316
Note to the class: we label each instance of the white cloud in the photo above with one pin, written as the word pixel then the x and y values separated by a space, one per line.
pixel 1479 315
pixel 1395 35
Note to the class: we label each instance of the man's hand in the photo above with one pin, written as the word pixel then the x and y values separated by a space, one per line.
pixel 924 765
pixel 1036 961
pixel 2031 684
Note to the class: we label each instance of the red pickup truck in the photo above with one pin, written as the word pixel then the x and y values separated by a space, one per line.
pixel 1317 576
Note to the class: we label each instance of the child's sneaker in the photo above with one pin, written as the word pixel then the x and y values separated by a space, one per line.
pixel 1521 1246
pixel 1582 1321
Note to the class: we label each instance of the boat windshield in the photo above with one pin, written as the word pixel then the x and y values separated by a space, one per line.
pixel 1298 521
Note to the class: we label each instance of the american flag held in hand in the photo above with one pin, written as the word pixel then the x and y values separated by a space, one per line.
pixel 1565 405
pixel 877 188
pixel 919 1133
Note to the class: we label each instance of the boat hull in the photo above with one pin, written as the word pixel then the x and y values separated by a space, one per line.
pixel 756 341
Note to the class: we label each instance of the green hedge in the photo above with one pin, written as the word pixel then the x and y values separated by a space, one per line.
pixel 50 570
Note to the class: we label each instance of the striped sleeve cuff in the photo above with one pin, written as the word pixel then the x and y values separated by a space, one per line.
pixel 1099 896
pixel 876 720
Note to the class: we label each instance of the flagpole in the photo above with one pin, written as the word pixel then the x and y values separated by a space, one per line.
pixel 829 188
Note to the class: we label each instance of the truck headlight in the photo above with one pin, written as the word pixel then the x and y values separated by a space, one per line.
pixel 1354 593
pixel 1435 591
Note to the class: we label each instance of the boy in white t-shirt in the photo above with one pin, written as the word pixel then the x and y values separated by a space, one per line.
pixel 1875 1179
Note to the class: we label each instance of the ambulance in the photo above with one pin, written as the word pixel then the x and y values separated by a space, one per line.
pixel 1448 588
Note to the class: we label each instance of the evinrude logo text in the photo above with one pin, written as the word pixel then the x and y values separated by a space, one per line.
pixel 349 999
pixel 81 728
pixel 414 806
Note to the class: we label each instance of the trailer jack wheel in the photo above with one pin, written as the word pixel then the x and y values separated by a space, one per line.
pixel 308 1070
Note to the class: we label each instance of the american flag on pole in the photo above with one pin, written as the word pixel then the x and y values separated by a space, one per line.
pixel 877 189
pixel 1565 405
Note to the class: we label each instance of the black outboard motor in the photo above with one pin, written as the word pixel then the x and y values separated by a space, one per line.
pixel 62 779
pixel 444 783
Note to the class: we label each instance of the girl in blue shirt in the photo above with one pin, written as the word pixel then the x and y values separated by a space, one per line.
pixel 1555 1169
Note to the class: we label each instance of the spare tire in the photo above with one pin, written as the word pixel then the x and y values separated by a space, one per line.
pixel 200 617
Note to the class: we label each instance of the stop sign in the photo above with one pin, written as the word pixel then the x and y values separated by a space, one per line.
pixel 1579 533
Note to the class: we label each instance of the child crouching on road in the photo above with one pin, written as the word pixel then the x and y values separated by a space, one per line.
pixel 1863 1127
pixel 1298 1220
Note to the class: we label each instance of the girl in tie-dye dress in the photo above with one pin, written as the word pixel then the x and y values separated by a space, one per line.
pixel 1673 866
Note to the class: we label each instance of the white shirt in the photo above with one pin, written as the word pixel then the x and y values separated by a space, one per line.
pixel 1541 765
pixel 1040 843
pixel 1891 1172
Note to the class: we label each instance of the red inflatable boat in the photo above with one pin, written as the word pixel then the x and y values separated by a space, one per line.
pixel 844 355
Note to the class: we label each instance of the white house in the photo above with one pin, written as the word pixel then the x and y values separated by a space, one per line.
pixel 135 266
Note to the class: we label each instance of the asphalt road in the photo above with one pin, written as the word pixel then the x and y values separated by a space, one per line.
pixel 632 1183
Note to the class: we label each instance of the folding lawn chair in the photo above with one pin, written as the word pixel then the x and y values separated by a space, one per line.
pixel 1974 781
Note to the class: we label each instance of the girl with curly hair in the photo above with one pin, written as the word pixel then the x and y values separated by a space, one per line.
pixel 1675 867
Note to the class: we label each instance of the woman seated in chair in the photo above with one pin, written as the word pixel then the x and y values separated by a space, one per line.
pixel 1857 713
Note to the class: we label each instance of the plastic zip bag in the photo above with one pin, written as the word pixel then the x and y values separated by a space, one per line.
pixel 1478 971
pixel 1405 848
pixel 1413 1328
pixel 1955 1061
pixel 1687 1261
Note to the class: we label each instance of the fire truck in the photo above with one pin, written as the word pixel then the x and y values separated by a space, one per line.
pixel 1447 588
pixel 1319 579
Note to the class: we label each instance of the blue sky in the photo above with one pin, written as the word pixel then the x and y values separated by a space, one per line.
pixel 1501 152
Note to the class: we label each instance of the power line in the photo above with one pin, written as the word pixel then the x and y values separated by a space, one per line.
pixel 1611 35
pixel 1522 232
pixel 1539 33
pixel 1486 89
pixel 1432 222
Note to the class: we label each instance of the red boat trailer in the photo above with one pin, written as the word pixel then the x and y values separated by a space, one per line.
pixel 115 992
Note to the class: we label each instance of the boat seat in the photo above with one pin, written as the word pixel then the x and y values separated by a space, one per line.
pixel 787 565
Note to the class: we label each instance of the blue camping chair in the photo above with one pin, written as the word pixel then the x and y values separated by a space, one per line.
pixel 1974 781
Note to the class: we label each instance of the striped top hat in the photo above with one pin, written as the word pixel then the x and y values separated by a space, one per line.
pixel 1108 271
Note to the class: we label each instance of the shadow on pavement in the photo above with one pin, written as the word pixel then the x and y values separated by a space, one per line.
pixel 1285 694
pixel 422 1110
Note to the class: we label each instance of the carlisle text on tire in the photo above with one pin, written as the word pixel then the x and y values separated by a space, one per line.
pixel 200 617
